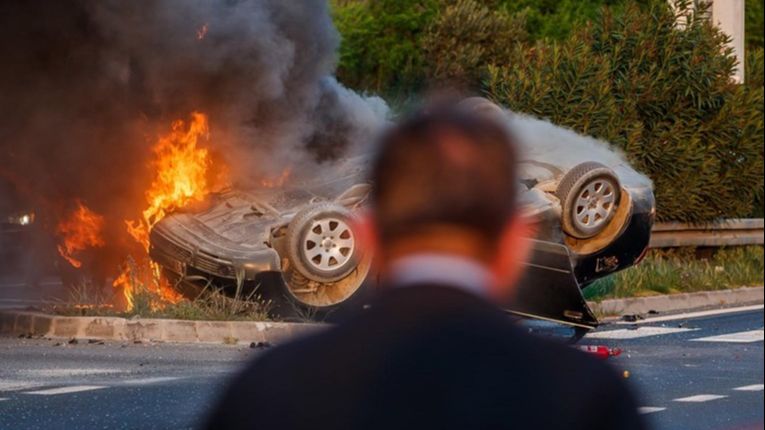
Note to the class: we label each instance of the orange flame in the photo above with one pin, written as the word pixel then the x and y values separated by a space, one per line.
pixel 180 179
pixel 181 168
pixel 79 231
pixel 277 181
pixel 124 282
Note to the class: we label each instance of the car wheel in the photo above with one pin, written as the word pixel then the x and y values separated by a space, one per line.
pixel 589 195
pixel 325 266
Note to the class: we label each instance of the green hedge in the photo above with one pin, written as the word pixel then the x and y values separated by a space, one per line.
pixel 755 9
pixel 381 43
pixel 661 94
pixel 397 47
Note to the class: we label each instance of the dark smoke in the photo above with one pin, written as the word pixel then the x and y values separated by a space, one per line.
pixel 86 86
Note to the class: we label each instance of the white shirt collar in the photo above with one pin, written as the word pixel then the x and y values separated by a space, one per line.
pixel 442 269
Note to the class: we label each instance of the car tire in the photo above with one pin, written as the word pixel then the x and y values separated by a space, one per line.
pixel 321 244
pixel 589 194
pixel 314 287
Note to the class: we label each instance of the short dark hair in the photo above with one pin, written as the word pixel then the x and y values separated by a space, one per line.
pixel 445 166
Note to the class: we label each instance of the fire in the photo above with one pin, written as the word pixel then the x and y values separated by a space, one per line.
pixel 180 167
pixel 181 174
pixel 81 230
pixel 277 181
pixel 142 283
pixel 125 283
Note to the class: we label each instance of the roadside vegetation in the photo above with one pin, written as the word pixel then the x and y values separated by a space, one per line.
pixel 89 299
pixel 684 271
pixel 622 71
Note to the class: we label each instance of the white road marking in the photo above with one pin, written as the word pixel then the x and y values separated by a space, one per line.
pixel 739 337
pixel 3 398
pixel 66 390
pixel 700 398
pixel 649 409
pixel 147 381
pixel 755 387
pixel 698 314
pixel 636 333
pixel 15 385
pixel 53 373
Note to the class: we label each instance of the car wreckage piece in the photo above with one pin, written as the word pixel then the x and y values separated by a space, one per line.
pixel 594 219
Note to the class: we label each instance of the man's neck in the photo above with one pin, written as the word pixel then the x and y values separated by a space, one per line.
pixel 450 270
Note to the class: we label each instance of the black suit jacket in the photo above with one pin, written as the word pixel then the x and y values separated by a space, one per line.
pixel 426 357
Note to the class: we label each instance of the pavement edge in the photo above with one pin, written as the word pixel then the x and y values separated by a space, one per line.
pixel 26 323
pixel 679 302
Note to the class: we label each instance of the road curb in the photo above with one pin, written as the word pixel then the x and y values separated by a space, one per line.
pixel 19 323
pixel 678 302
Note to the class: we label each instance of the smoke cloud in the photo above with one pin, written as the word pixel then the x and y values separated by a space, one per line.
pixel 88 85
pixel 544 142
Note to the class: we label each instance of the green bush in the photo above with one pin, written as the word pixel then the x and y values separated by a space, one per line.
pixel 381 43
pixel 755 69
pixel 556 19
pixel 464 38
pixel 660 93
pixel 755 9
pixel 397 47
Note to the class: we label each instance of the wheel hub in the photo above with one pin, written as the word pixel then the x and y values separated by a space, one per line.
pixel 329 245
pixel 595 204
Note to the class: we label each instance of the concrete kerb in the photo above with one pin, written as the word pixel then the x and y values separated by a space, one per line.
pixel 17 323
pixel 678 302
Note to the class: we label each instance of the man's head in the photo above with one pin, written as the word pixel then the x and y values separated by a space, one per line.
pixel 445 182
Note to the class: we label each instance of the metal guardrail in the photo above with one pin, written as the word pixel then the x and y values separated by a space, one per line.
pixel 731 232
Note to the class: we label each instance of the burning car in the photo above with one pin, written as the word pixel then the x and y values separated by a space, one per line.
pixel 594 218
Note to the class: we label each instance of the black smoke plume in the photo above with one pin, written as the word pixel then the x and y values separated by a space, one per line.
pixel 86 86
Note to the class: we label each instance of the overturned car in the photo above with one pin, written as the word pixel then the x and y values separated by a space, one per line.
pixel 594 212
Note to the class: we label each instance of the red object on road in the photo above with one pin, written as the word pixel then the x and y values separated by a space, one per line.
pixel 600 351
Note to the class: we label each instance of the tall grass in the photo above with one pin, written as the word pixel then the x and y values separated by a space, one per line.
pixel 90 299
pixel 681 271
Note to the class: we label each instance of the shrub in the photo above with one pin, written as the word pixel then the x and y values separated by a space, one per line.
pixel 754 80
pixel 396 47
pixel 381 39
pixel 755 9
pixel 660 93
pixel 464 38
pixel 556 19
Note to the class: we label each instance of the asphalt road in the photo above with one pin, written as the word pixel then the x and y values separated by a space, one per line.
pixel 687 377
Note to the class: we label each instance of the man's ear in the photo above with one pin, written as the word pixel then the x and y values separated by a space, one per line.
pixel 513 250
pixel 364 226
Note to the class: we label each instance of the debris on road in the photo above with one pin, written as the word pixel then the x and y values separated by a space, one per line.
pixel 260 345
pixel 600 351
pixel 632 317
